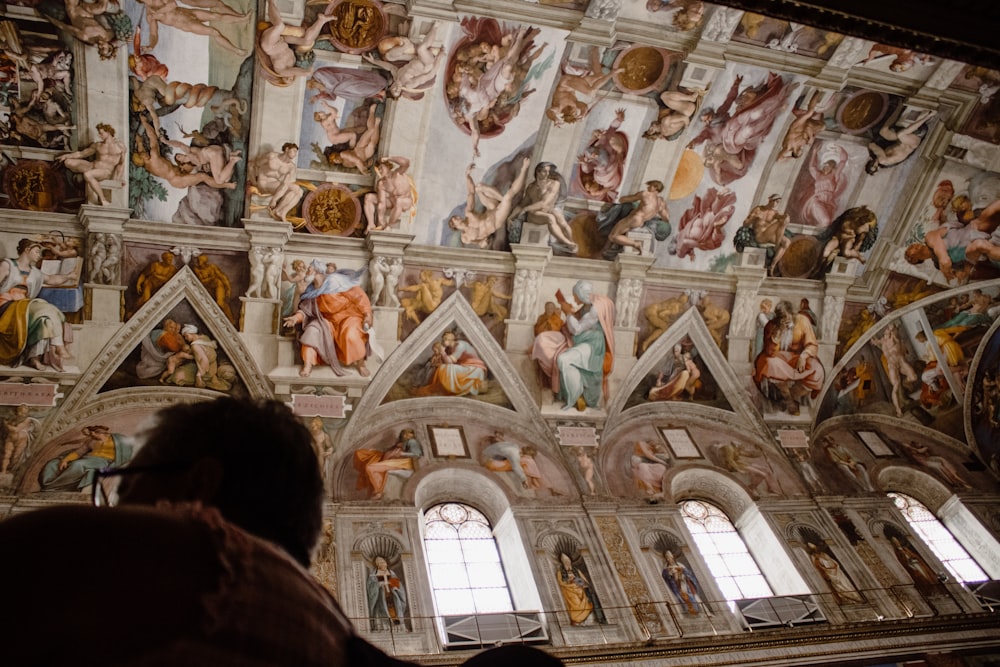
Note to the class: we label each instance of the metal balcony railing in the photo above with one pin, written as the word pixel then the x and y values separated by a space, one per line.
pixel 666 620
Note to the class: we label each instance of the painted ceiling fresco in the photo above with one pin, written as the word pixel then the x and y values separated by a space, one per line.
pixel 699 139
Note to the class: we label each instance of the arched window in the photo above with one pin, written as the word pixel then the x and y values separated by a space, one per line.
pixel 724 552
pixel 938 539
pixel 467 576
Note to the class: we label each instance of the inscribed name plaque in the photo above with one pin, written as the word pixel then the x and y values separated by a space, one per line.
pixel 680 443
pixel 34 394
pixel 875 444
pixel 577 436
pixel 449 441
pixel 308 405
pixel 793 438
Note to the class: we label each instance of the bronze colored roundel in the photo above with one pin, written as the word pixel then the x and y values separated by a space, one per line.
pixel 359 26
pixel 331 209
pixel 862 111
pixel 33 185
pixel 801 258
pixel 643 68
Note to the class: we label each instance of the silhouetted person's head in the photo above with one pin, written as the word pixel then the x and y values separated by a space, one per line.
pixel 513 654
pixel 250 459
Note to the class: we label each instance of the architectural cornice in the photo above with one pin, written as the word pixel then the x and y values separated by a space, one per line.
pixel 964 30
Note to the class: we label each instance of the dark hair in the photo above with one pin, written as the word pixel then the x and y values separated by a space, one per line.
pixel 511 654
pixel 271 484
pixel 24 244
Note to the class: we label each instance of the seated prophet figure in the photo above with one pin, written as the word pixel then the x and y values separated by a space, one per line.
pixel 335 314
pixel 31 329
pixel 578 359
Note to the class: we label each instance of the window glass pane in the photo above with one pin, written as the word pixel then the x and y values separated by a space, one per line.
pixel 724 552
pixel 492 600
pixel 967 570
pixel 472 530
pixel 717 564
pixel 448 575
pixel 480 551
pixel 443 551
pixel 754 587
pixel 454 602
pixel 730 543
pixel 938 539
pixel 730 591
pixel 463 562
pixel 454 513
pixel 486 575
pixel 440 530
pixel 741 564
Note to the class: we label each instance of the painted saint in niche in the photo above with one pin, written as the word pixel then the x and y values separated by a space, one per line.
pixel 581 600
pixel 844 591
pixel 683 584
pixel 386 597
pixel 923 577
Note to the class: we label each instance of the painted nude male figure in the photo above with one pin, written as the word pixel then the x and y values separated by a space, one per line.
pixel 651 205
pixel 394 194
pixel 273 174
pixel 477 227
pixel 108 162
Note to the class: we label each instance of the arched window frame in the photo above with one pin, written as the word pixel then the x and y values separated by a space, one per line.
pixel 947 547
pixel 749 581
pixel 482 493
pixel 767 549
pixel 949 509
pixel 471 538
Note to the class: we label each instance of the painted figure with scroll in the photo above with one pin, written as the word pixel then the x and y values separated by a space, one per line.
pixel 335 314
pixel 578 359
